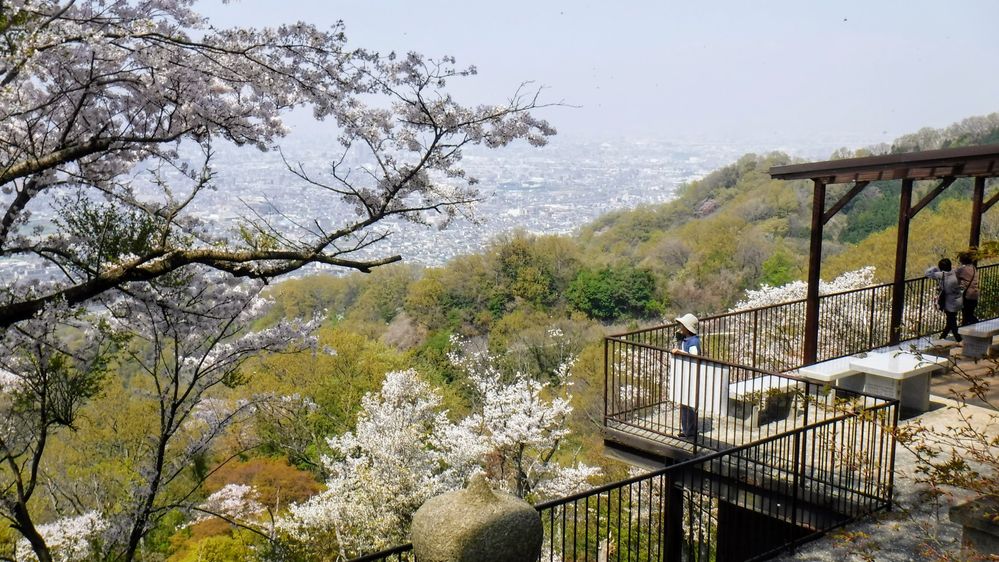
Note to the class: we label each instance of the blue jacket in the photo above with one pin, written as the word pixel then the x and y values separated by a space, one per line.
pixel 691 343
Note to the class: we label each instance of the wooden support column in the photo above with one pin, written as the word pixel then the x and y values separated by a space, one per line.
pixel 977 197
pixel 901 251
pixel 811 343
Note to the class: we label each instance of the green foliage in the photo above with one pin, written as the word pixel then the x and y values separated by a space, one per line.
pixel 324 295
pixel 107 233
pixel 933 234
pixel 610 293
pixel 518 270
pixel 334 382
pixel 382 295
pixel 871 212
pixel 235 545
pixel 779 269
pixel 534 269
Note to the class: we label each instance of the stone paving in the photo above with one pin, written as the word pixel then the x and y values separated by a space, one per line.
pixel 919 525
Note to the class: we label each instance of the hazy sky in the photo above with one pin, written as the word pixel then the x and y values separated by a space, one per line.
pixel 861 71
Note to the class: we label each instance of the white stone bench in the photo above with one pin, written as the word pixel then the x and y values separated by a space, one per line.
pixel 977 338
pixel 901 375
pixel 835 372
pixel 762 399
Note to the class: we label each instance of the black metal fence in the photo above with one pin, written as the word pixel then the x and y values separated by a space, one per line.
pixel 647 388
pixel 744 503
pixel 772 338
pixel 793 459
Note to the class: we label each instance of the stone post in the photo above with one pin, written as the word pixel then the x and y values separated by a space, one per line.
pixel 476 524
pixel 980 519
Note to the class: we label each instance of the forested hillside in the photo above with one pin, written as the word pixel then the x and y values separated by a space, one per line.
pixel 378 390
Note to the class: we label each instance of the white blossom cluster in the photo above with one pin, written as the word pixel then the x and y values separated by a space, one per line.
pixel 841 319
pixel 97 97
pixel 405 450
pixel 70 539
pixel 232 501
pixel 796 290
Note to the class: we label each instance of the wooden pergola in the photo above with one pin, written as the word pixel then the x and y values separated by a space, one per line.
pixel 945 165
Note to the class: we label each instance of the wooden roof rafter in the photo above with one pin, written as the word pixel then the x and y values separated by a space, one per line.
pixel 971 161
pixel 946 165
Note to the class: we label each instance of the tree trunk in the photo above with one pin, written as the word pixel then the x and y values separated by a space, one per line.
pixel 27 528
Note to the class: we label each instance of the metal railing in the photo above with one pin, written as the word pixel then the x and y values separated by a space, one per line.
pixel 744 503
pixel 734 405
pixel 771 338
pixel 793 459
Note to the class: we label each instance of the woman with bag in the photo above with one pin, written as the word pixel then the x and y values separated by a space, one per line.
pixel 949 299
pixel 967 274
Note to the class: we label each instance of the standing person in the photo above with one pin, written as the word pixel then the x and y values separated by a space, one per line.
pixel 949 299
pixel 689 343
pixel 967 275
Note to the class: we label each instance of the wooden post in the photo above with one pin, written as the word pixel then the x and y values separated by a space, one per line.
pixel 811 343
pixel 977 196
pixel 901 251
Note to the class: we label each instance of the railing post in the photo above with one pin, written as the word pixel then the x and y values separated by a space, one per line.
pixel 756 335
pixel 871 325
pixel 798 478
pixel 891 463
pixel 606 381
pixel 674 519
pixel 697 402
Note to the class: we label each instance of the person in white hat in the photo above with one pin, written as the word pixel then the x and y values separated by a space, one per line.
pixel 689 342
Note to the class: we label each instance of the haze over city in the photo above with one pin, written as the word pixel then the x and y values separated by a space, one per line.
pixel 648 95
pixel 845 73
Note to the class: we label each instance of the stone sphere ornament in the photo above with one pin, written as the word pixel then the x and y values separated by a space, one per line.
pixel 477 524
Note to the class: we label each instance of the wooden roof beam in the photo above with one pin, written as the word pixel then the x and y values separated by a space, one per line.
pixel 931 196
pixel 988 204
pixel 857 188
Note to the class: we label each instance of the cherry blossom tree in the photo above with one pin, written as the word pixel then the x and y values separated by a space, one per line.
pixel 189 337
pixel 842 319
pixel 523 423
pixel 101 105
pixel 186 336
pixel 403 451
pixel 46 380
pixel 96 98
pixel 406 450
pixel 70 539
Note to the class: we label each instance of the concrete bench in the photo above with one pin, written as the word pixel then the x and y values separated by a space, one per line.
pixel 761 400
pixel 835 372
pixel 901 375
pixel 977 338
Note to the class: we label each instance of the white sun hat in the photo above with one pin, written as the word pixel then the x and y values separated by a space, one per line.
pixel 689 322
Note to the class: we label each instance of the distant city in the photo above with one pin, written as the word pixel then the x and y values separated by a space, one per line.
pixel 550 190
